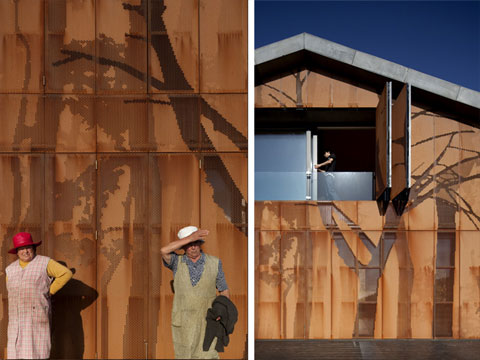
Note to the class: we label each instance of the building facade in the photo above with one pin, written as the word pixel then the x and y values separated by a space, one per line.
pixel 121 122
pixel 365 268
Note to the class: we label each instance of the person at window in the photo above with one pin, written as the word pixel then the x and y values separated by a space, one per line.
pixel 30 287
pixel 329 167
pixel 196 278
pixel 329 163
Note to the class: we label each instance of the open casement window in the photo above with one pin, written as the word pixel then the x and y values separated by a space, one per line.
pixel 383 165
pixel 401 180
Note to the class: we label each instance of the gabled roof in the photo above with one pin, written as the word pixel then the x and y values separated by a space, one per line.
pixel 306 51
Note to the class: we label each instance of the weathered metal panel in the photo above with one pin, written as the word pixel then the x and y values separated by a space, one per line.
pixel 268 285
pixel 21 46
pixel 366 220
pixel 174 190
pixel 469 172
pixel 421 247
pixel 293 277
pixel 70 46
pixel 121 48
pixel 223 211
pixel 278 93
pixel 100 47
pixel 122 124
pixel 344 287
pixel 319 286
pixel 293 216
pixel 324 91
pixel 222 120
pixel 386 283
pixel 401 142
pixel 267 215
pixel 469 284
pixel 173 128
pixel 223 46
pixel 122 273
pixel 70 124
pixel 397 282
pixel 70 233
pixel 446 172
pixel 312 89
pixel 174 46
pixel 23 127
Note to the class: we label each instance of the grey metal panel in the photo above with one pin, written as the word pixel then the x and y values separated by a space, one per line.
pixel 433 84
pixel 329 49
pixel 279 49
pixel 348 186
pixel 345 186
pixel 379 66
pixel 469 97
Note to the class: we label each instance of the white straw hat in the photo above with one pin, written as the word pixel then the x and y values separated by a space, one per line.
pixel 186 231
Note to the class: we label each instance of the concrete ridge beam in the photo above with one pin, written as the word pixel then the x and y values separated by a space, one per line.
pixel 280 48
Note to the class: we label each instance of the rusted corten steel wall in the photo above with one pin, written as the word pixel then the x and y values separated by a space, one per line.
pixel 310 89
pixel 126 119
pixel 340 270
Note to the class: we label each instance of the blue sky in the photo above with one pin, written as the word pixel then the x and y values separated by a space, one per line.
pixel 439 38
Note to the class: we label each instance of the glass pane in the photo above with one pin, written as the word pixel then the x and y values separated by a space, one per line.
pixel 443 320
pixel 446 249
pixel 280 152
pixel 444 285
pixel 344 186
pixel 366 319
pixel 280 186
pixel 280 163
pixel 368 284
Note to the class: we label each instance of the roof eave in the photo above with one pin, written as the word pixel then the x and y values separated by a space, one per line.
pixel 365 62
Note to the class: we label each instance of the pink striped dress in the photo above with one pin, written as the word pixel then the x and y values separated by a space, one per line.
pixel 29 310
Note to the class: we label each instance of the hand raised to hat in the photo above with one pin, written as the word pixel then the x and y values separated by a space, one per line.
pixel 199 235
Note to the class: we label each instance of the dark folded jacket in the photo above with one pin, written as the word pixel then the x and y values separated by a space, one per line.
pixel 225 309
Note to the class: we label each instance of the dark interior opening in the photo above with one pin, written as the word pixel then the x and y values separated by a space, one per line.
pixel 354 148
pixel 348 133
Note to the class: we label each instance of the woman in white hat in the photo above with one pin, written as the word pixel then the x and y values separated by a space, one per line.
pixel 197 278
pixel 29 288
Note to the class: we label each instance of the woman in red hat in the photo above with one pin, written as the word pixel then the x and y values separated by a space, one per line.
pixel 30 286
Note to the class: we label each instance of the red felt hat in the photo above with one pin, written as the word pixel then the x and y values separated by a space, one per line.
pixel 22 239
